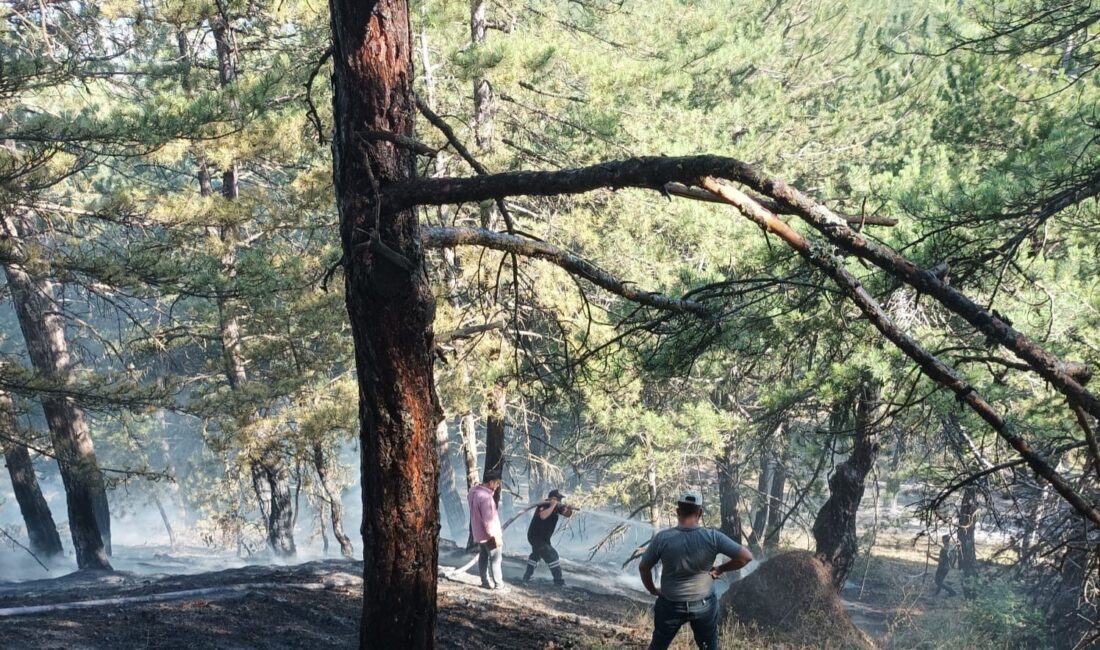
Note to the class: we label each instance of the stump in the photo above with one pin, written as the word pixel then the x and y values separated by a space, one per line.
pixel 792 596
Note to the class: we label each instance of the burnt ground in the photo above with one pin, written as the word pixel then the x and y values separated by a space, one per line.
pixel 313 605
pixel 316 605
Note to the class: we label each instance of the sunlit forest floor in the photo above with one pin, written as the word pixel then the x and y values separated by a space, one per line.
pixel 317 604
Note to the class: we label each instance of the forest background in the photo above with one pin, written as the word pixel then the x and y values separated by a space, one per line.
pixel 171 250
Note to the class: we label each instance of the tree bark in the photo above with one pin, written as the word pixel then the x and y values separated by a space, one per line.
pixel 835 526
pixel 468 428
pixel 280 517
pixel 537 449
pixel 763 490
pixel 775 516
pixel 45 542
pixel 968 555
pixel 391 308
pixel 483 91
pixel 331 497
pixel 494 436
pixel 729 491
pixel 448 488
pixel 86 495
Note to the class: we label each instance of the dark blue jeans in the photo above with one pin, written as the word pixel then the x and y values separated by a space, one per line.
pixel 670 616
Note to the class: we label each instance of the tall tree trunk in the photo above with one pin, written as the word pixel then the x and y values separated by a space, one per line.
pixel 653 488
pixel 835 526
pixel 331 498
pixel 483 91
pixel 86 495
pixel 41 530
pixel 270 476
pixel 468 429
pixel 537 449
pixel 494 436
pixel 391 308
pixel 776 494
pixel 763 492
pixel 448 488
pixel 729 491
pixel 968 555
pixel 280 517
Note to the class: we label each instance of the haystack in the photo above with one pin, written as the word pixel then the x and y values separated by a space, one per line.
pixel 791 596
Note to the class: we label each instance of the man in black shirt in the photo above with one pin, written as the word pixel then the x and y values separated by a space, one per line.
pixel 539 533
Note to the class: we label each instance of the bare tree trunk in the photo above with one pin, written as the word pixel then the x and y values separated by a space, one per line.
pixel 835 526
pixel 729 491
pixel 452 502
pixel 776 495
pixel 494 436
pixel 968 555
pixel 166 521
pixel 280 524
pixel 537 449
pixel 41 530
pixel 483 91
pixel 86 495
pixel 653 488
pixel 391 309
pixel 270 476
pixel 261 489
pixel 331 497
pixel 763 492
pixel 468 428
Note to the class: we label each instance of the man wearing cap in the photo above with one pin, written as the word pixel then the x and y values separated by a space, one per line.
pixel 486 530
pixel 687 553
pixel 539 533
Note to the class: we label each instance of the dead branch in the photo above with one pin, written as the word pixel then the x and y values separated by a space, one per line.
pixel 451 237
pixel 930 365
pixel 20 545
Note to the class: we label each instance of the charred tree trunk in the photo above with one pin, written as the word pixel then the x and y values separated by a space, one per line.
pixel 835 526
pixel 41 530
pixel 763 491
pixel 494 436
pixel 729 491
pixel 391 308
pixel 776 494
pixel 280 517
pixel 86 495
pixel 968 555
pixel 331 498
pixel 261 489
pixel 448 488
pixel 468 428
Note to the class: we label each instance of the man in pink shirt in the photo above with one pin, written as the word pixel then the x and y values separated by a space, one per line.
pixel 486 531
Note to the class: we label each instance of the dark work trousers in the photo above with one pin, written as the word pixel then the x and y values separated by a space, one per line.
pixel 542 550
pixel 669 616
pixel 941 578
